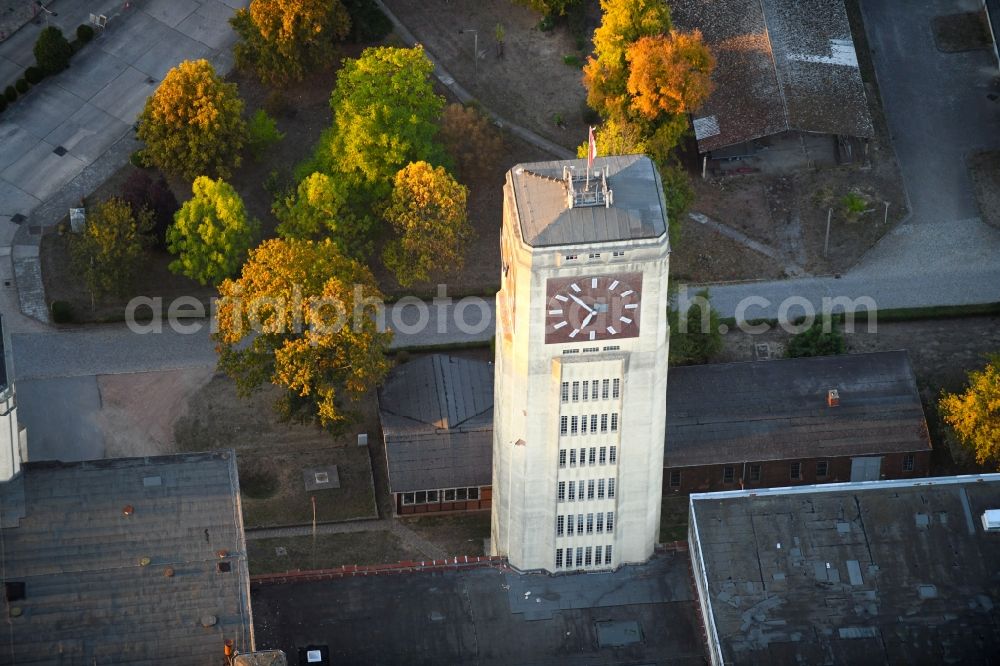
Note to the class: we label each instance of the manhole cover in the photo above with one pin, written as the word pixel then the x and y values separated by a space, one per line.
pixel 320 478
pixel 59 150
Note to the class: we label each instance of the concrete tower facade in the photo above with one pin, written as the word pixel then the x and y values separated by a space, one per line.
pixel 581 365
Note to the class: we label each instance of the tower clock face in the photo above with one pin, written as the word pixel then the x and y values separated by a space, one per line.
pixel 593 307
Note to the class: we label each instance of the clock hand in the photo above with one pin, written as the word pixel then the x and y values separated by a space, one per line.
pixel 587 320
pixel 583 304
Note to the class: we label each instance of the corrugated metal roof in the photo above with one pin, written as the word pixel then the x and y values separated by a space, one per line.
pixel 437 421
pixel 89 598
pixel 777 410
pixel 638 211
pixel 780 65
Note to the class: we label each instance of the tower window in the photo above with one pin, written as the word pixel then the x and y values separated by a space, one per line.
pixel 592 459
pixel 586 392
pixel 616 388
pixel 571 257
pixel 609 523
pixel 614 422
pixel 572 457
pixel 559 558
pixel 569 525
pixel 559 525
pixel 590 489
pixel 589 552
pixel 614 455
pixel 605 389
pixel 600 523
pixel 593 423
pixel 593 390
pixel 603 457
pixel 576 391
pixel 595 255
pixel 607 554
pixel 579 523
pixel 618 253
pixel 572 491
pixel 562 491
pixel 675 478
pixel 573 424
pixel 600 489
pixel 564 392
pixel 604 422
pixel 579 556
pixel 728 474
pixel 611 488
pixel 562 458
pixel 597 555
pixel 563 425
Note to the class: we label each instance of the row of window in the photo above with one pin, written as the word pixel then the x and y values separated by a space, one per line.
pixel 601 523
pixel 593 488
pixel 574 350
pixel 446 495
pixel 794 471
pixel 591 388
pixel 585 556
pixel 593 456
pixel 577 425
pixel 595 255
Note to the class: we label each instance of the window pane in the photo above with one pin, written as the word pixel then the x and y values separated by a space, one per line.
pixel 564 392
pixel 675 477
pixel 609 523
pixel 614 423
pixel 586 391
pixel 604 422
pixel 590 523
pixel 593 390
pixel 474 493
pixel 562 458
pixel 407 498
pixel 576 391
pixel 607 555
pixel 604 389
pixel 449 495
pixel 597 554
pixel 579 556
pixel 593 455
pixel 421 497
pixel 604 455
pixel 727 474
pixel 460 494
pixel 600 522
pixel 560 525
pixel 559 559
pixel 579 523
pixel 432 496
pixel 573 425
pixel 614 455
pixel 615 388
pixel 611 488
pixel 562 491
pixel 590 489
pixel 570 525
pixel 593 423
pixel 821 468
pixel 589 553
pixel 796 470
pixel 563 425
pixel 600 489
pixel 572 491
pixel 755 472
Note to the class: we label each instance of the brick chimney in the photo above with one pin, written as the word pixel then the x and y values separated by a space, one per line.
pixel 832 398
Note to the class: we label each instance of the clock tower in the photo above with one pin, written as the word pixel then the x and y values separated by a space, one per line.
pixel 581 365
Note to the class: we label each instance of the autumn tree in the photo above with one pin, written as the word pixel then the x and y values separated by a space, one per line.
pixel 469 138
pixel 110 249
pixel 301 316
pixel 428 213
pixel 192 124
pixel 281 40
pixel 974 414
pixel 668 74
pixel 549 7
pixel 211 233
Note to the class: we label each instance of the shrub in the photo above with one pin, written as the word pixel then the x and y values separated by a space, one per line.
pixel 853 205
pixel 22 86
pixel 10 93
pixel 262 133
pixel 84 33
pixel 33 75
pixel 470 138
pixel 140 191
pixel 62 312
pixel 815 342
pixel 368 22
pixel 572 60
pixel 138 159
pixel 52 51
pixel 547 23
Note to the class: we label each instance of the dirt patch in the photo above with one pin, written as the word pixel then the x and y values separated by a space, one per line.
pixel 984 170
pixel 458 534
pixel 673 518
pixel 273 455
pixel 139 411
pixel 328 550
pixel 942 352
pixel 966 31
pixel 531 85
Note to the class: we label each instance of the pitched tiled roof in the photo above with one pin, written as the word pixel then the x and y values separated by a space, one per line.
pixel 780 65
pixel 88 596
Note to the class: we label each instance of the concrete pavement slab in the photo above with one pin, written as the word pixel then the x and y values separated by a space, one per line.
pixel 41 172
pixel 208 30
pixel 130 39
pixel 235 4
pixel 217 10
pixel 18 47
pixel 60 415
pixel 88 133
pixel 14 200
pixel 170 12
pixel 15 141
pixel 7 231
pixel 125 97
pixel 168 52
pixel 92 70
pixel 45 108
pixel 10 71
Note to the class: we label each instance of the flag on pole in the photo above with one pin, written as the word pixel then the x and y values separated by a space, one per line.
pixel 591 149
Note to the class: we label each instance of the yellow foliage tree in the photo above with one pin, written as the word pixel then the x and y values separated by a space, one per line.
pixel 974 414
pixel 192 125
pixel 669 74
pixel 110 250
pixel 428 212
pixel 302 316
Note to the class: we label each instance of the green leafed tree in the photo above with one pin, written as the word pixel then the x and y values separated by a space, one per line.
pixel 262 133
pixel 428 213
pixel 211 233
pixel 111 247
pixel 52 51
pixel 694 332
pixel 301 316
pixel 192 124
pixel 282 40
pixel 974 414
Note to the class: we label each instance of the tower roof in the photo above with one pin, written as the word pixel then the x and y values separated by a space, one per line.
pixel 541 194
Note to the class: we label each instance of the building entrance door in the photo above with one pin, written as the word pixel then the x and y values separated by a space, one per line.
pixel 866 469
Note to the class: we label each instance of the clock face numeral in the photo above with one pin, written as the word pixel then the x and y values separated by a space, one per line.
pixel 598 307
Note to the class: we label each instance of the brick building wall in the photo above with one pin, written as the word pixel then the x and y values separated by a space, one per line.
pixel 776 473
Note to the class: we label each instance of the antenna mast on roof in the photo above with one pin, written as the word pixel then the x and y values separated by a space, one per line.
pixel 580 197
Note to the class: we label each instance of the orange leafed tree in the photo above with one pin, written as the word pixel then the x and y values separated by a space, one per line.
pixel 669 74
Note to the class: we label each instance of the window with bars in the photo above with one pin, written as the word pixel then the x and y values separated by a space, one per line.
pixel 614 422
pixel 590 523
pixel 600 523
pixel 675 478
pixel 593 423
pixel 592 458
pixel 607 554
pixel 604 422
pixel 561 496
pixel 590 489
pixel 613 455
pixel 600 489
pixel 605 388
pixel 579 523
pixel 823 467
pixel 597 554
pixel 728 474
pixel 562 458
pixel 579 556
pixel 573 422
pixel 564 392
pixel 609 522
pixel 588 553
pixel 572 491
pixel 563 425
pixel 560 525
pixel 572 457
pixel 586 390
pixel 593 390
pixel 603 456
pixel 611 489
pixel 615 388
pixel 559 558
pixel 576 391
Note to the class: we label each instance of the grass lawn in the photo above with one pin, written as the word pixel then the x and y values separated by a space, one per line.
pixel 456 534
pixel 331 550
pixel 674 518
